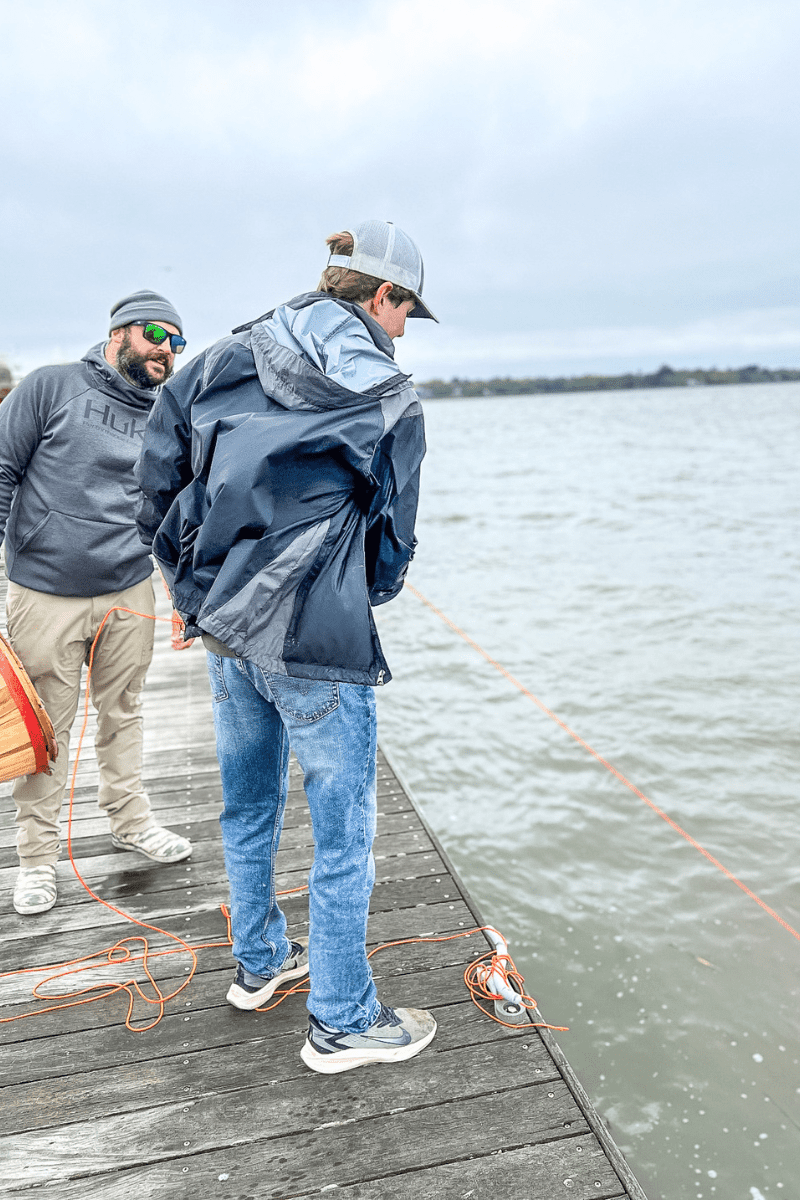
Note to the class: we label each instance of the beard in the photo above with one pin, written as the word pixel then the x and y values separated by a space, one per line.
pixel 133 366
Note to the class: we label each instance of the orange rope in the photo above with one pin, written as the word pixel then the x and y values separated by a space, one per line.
pixel 632 787
pixel 477 977
pixel 112 957
pixel 477 974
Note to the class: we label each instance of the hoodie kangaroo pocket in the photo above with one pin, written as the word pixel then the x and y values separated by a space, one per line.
pixel 72 556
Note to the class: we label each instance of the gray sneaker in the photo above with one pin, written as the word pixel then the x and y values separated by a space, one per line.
pixel 35 891
pixel 396 1034
pixel 250 991
pixel 159 844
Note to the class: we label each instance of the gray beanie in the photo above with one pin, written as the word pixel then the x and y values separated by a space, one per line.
pixel 143 306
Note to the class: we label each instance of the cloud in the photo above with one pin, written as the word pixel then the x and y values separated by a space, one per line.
pixel 564 165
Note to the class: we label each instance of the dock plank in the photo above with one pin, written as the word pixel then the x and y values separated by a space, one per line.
pixel 293 1104
pixel 317 1152
pixel 529 1173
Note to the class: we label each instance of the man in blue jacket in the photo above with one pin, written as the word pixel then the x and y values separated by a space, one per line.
pixel 69 437
pixel 280 478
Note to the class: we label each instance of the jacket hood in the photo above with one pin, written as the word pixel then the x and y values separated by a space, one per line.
pixel 321 352
pixel 108 380
pixel 379 334
pixel 321 300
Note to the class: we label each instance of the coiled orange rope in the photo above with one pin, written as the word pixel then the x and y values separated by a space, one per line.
pixel 477 977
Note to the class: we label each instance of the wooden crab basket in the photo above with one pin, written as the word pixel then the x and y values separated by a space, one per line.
pixel 27 739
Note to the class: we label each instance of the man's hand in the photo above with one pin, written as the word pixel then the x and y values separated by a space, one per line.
pixel 178 627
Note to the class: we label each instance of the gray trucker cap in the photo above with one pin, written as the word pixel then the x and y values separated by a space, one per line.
pixel 382 250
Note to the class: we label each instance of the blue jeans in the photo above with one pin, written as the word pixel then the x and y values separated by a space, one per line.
pixel 332 729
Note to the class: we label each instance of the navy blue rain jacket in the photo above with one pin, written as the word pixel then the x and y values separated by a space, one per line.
pixel 279 478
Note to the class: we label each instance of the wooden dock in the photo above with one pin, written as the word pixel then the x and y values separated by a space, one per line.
pixel 212 1102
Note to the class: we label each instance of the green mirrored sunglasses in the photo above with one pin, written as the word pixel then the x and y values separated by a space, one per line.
pixel 157 334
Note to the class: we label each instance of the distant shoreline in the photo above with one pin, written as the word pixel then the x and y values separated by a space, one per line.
pixel 664 377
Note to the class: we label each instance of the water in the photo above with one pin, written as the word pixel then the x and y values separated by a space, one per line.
pixel 632 559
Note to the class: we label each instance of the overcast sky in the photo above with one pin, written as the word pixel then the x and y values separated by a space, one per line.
pixel 595 185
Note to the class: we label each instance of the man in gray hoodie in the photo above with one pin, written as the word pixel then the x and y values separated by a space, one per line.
pixel 69 437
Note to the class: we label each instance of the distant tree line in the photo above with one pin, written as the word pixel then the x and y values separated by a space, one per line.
pixel 664 377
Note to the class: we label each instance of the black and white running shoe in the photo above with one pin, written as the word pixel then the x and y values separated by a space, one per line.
pixel 251 991
pixel 396 1034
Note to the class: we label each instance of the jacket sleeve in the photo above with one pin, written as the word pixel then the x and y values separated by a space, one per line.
pixel 164 467
pixel 22 421
pixel 390 541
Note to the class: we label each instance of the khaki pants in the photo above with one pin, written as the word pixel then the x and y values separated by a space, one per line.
pixel 52 636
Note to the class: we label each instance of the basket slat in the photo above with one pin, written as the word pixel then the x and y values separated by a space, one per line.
pixel 27 740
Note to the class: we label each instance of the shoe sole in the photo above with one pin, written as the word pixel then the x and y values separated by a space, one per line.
pixel 247 1001
pixel 348 1060
pixel 118 844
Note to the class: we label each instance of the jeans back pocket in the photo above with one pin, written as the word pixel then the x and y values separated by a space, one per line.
pixel 303 699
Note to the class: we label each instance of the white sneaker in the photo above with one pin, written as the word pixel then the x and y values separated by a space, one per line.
pixel 35 890
pixel 157 843
pixel 396 1034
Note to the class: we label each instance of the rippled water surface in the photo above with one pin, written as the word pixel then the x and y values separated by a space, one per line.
pixel 632 559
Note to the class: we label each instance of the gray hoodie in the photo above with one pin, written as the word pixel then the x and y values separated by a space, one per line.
pixel 69 436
